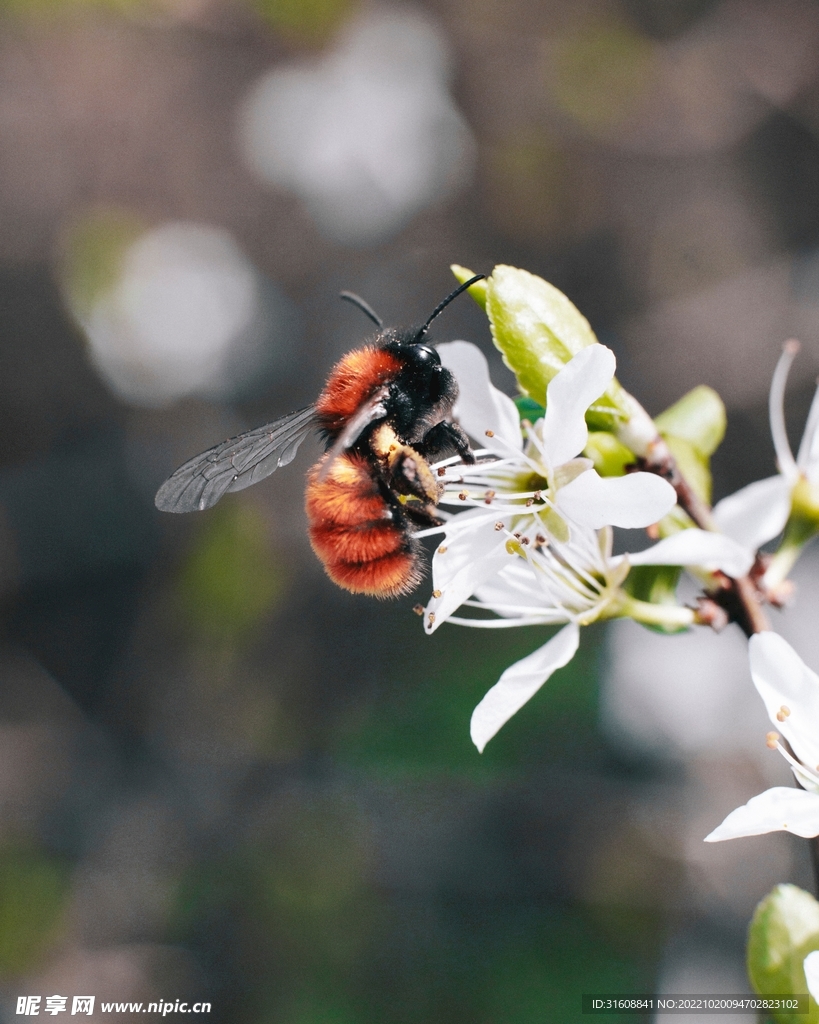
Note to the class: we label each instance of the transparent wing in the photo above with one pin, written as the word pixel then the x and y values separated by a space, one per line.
pixel 235 464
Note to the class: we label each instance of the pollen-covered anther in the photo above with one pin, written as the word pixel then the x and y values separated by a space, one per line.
pixel 524 540
pixel 529 502
pixel 488 497
pixel 516 536
pixel 431 618
pixel 540 540
pixel 463 495
pixel 418 609
pixel 782 713
pixel 442 471
pixel 498 526
pixel 442 549
pixel 771 740
pixel 490 433
pixel 436 594
pixel 538 496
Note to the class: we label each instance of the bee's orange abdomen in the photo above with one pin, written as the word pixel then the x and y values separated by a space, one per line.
pixel 352 380
pixel 355 532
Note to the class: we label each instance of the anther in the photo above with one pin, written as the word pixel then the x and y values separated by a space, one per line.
pixel 490 433
pixel 538 496
pixel 499 526
pixel 418 609
pixel 431 618
pixel 529 502
pixel 516 536
pixel 771 740
pixel 524 540
pixel 436 594
pixel 442 549
pixel 488 497
pixel 540 540
pixel 782 713
pixel 463 495
pixel 442 471
pixel 791 346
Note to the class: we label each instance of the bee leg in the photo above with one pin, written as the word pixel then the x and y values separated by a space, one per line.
pixel 421 515
pixel 444 437
pixel 409 473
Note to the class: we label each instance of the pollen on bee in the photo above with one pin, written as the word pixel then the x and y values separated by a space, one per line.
pixel 431 618
pixel 418 609
pixel 782 713
pixel 771 740
pixel 436 594
pixel 442 549
pixel 498 526
pixel 490 433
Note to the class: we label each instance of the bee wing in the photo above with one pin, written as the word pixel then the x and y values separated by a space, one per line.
pixel 235 464
pixel 371 410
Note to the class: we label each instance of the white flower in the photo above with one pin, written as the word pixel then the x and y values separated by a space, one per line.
pixel 810 965
pixel 758 512
pixel 791 694
pixel 535 547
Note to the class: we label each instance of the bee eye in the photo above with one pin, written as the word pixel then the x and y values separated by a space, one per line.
pixel 424 355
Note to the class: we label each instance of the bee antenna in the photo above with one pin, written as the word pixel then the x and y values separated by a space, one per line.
pixel 365 307
pixel 442 305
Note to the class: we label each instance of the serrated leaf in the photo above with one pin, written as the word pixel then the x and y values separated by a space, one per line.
pixel 693 465
pixel 536 327
pixel 609 456
pixel 477 290
pixel 698 418
pixel 783 930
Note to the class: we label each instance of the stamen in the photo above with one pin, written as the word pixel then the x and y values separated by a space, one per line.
pixel 431 618
pixel 463 495
pixel 498 526
pixel 442 471
pixel 772 740
pixel 782 713
pixel 418 609
pixel 436 594
pixel 442 549
pixel 488 497
pixel 490 433
pixel 530 502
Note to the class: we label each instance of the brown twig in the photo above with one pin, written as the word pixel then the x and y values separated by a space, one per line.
pixel 741 597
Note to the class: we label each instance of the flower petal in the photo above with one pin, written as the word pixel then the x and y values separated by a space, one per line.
pixel 635 500
pixel 782 678
pixel 776 810
pixel 520 682
pixel 810 965
pixel 700 548
pixel 808 458
pixel 569 394
pixel 471 556
pixel 480 406
pixel 756 513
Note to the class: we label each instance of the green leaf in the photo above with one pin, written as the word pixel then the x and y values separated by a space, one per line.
pixel 694 466
pixel 477 290
pixel 698 418
pixel 529 409
pixel 784 929
pixel 536 327
pixel 610 456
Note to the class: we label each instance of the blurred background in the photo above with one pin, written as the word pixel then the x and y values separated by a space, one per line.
pixel 222 778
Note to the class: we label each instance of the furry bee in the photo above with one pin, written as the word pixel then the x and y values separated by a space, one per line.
pixel 384 412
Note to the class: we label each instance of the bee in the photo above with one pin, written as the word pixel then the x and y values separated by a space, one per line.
pixel 384 412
